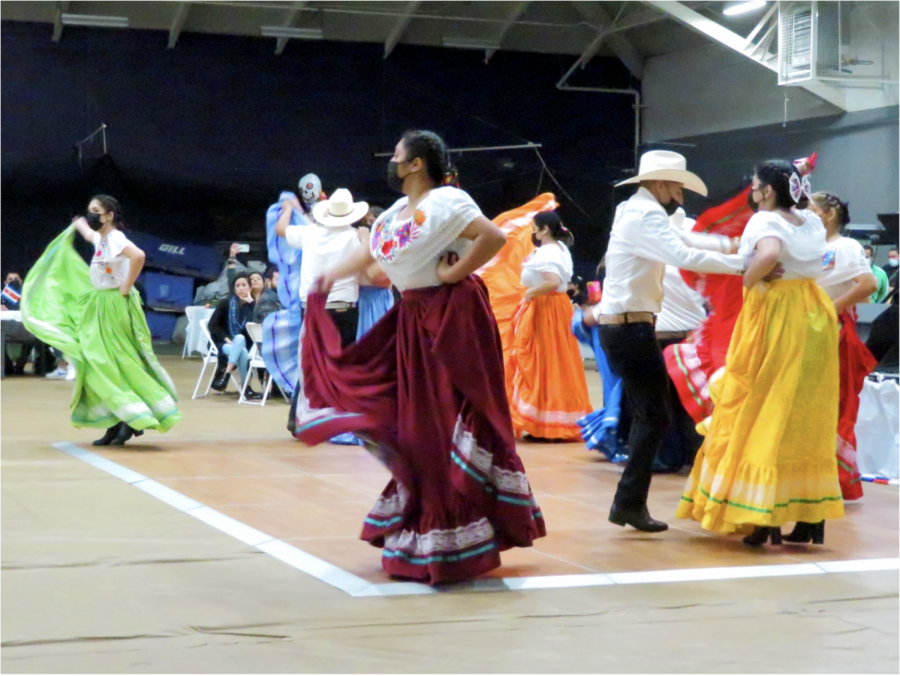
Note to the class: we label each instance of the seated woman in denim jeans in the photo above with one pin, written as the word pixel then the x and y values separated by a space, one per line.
pixel 227 329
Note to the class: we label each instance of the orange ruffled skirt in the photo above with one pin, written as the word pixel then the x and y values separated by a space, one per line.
pixel 545 379
pixel 769 455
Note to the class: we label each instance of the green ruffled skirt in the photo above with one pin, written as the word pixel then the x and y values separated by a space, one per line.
pixel 105 334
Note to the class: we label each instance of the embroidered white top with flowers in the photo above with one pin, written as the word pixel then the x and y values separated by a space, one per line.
pixel 844 261
pixel 109 268
pixel 553 258
pixel 802 245
pixel 409 250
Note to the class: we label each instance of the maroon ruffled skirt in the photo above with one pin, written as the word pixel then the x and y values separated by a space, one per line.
pixel 425 390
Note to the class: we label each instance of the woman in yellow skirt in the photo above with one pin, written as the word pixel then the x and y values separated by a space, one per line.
pixel 768 457
pixel 545 379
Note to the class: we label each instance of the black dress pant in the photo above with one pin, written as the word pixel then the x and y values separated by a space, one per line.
pixel 634 353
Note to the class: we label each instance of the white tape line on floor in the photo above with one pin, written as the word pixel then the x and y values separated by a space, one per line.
pixel 357 586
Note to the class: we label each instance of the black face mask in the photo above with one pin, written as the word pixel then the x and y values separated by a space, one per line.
pixel 94 220
pixel 752 203
pixel 394 181
pixel 671 207
pixel 535 240
pixel 16 284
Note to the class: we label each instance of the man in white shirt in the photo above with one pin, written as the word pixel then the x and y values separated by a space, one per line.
pixel 641 244
pixel 325 243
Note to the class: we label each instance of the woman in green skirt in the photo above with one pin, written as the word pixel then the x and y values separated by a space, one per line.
pixel 93 315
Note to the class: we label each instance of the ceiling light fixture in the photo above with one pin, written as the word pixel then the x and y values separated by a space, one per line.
pixel 466 43
pixel 292 33
pixel 94 20
pixel 743 7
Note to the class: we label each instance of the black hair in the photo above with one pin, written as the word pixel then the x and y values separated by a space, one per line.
pixel 429 147
pixel 551 219
pixel 579 294
pixel 270 271
pixel 869 247
pixel 240 275
pixel 777 173
pixel 827 200
pixel 110 204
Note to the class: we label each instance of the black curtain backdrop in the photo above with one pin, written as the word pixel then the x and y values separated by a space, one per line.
pixel 203 137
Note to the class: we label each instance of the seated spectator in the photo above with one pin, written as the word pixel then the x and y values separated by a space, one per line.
pixel 19 342
pixel 267 302
pixel 219 290
pixel 880 276
pixel 227 328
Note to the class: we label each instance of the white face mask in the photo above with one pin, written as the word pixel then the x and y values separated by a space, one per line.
pixel 893 262
pixel 868 260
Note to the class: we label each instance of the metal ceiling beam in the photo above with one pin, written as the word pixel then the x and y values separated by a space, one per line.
pixel 400 27
pixel 178 20
pixel 290 21
pixel 518 8
pixel 621 46
pixel 61 7
pixel 745 46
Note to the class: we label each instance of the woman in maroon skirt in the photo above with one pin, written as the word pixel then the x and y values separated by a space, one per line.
pixel 425 387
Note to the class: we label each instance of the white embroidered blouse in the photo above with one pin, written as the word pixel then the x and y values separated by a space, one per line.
pixel 409 250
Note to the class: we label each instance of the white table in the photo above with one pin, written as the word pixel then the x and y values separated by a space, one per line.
pixel 194 340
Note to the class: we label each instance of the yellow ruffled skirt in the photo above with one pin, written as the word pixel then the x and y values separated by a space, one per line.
pixel 769 456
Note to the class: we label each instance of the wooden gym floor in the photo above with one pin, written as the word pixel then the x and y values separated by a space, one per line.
pixel 99 576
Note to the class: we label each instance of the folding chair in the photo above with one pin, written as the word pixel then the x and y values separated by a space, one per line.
pixel 211 357
pixel 256 362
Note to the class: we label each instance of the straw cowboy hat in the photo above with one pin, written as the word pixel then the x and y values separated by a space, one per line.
pixel 664 165
pixel 340 210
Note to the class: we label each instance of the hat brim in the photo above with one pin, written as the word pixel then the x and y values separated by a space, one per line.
pixel 320 213
pixel 689 179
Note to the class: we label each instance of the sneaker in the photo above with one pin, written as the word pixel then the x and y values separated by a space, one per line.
pixel 58 374
pixel 70 372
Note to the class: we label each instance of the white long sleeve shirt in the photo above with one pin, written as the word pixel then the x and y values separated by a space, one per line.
pixel 642 243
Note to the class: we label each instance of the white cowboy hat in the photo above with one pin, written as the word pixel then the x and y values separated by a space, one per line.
pixel 664 165
pixel 340 210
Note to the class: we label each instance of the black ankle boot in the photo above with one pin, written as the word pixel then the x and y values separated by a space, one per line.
pixel 807 532
pixel 124 433
pixel 639 519
pixel 761 534
pixel 109 436
pixel 220 382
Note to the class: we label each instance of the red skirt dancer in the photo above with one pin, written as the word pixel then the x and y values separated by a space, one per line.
pixel 425 390
pixel 691 364
pixel 856 363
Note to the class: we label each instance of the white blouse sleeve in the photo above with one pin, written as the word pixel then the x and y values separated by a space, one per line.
pixel 551 259
pixel 117 241
pixel 760 226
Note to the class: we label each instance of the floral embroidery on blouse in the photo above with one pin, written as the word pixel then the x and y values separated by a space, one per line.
pixel 391 237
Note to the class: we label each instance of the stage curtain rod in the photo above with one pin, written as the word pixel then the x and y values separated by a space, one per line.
pixel 478 149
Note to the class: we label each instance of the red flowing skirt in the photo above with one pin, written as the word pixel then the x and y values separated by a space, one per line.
pixel 856 363
pixel 425 390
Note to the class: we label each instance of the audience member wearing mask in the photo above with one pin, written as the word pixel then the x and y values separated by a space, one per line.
pixel 884 287
pixel 892 265
pixel 16 335
pixel 847 280
pixel 227 327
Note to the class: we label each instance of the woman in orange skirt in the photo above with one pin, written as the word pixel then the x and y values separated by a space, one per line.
pixel 545 378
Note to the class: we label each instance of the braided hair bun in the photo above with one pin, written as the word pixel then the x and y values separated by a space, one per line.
pixel 429 147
